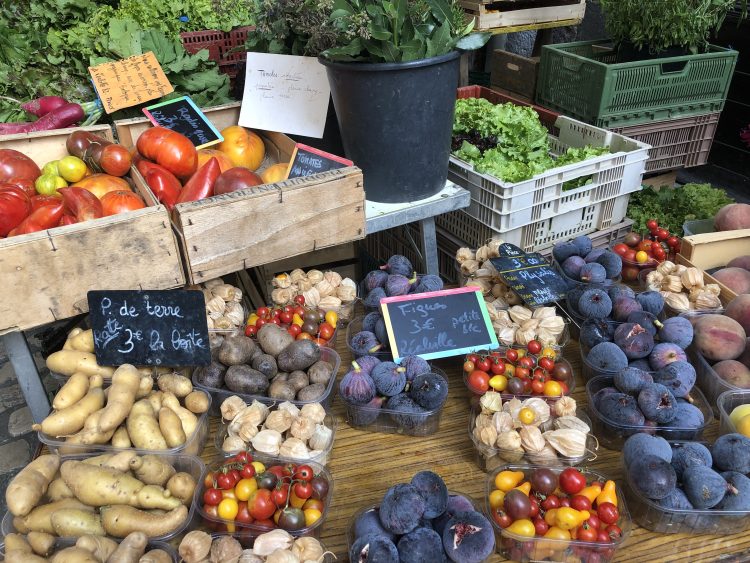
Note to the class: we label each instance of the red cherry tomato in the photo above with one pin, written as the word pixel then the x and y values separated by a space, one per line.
pixel 483 364
pixel 242 457
pixel 537 387
pixel 662 233
pixel 534 506
pixel 652 225
pixel 497 366
pixel 478 382
pixel 247 471
pixel 540 526
pixel 325 331
pixel 603 537
pixel 260 322
pixel 286 317
pixel 580 502
pixel 512 355
pixel 294 330
pixel 552 501
pixel 212 497
pixel 472 358
pixel 620 248
pixel 304 473
pixel 673 242
pixel 243 514
pixel 501 519
pixel 235 475
pixel 546 364
pixel 585 533
pixel 614 531
pixel 629 256
pixel 659 253
pixel 608 513
pixel 224 481
pixel 594 521
pixel 280 495
pixel 573 481
pixel 534 346
pixel 261 505
pixel 469 366
pixel 303 490
pixel 299 299
pixel 251 330
pixel 522 372
pixel 263 312
pixel 526 362
pixel 565 502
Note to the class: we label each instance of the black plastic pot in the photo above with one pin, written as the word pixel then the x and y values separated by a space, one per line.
pixel 396 121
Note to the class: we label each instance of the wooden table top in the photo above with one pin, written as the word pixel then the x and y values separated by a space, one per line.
pixel 365 464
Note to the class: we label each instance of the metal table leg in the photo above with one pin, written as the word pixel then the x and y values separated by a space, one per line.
pixel 429 245
pixel 27 374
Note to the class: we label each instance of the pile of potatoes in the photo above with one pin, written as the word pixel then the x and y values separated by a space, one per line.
pixel 113 494
pixel 278 367
pixel 129 413
pixel 38 547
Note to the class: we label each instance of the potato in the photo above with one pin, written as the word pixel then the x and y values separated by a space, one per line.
pixel 120 461
pixel 152 469
pixel 156 556
pixel 145 386
pixel 68 362
pixel 121 520
pixel 18 556
pixel 246 380
pixel 154 496
pixel 73 391
pixel 101 547
pixel 189 420
pixel 154 399
pixel 211 375
pixel 28 487
pixel 197 402
pixel 74 555
pixel 179 385
pixel 83 341
pixel 75 522
pixel 122 392
pixel 236 350
pixel 182 486
pixel 297 380
pixel 91 434
pixel 300 354
pixel 58 490
pixel 265 364
pixel 97 486
pixel 68 345
pixel 16 542
pixel 171 428
pixel 143 427
pixel 72 419
pixel 311 393
pixel 40 542
pixel 320 372
pixel 281 390
pixel 273 339
pixel 121 439
pixel 130 549
pixel 38 520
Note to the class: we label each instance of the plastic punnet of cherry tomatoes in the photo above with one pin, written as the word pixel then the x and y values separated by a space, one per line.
pixel 297 320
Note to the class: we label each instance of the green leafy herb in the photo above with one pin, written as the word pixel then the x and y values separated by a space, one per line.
pixel 671 207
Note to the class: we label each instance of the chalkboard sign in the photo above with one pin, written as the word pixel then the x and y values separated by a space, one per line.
pixel 529 275
pixel 183 116
pixel 307 161
pixel 149 328
pixel 438 324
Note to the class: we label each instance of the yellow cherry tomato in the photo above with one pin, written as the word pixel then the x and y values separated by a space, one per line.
pixel 244 488
pixel 527 415
pixel 312 515
pixel 549 353
pixel 552 388
pixel 499 382
pixel 228 509
pixel 228 494
pixel 510 370
pixel 568 518
pixel 523 527
pixel 521 352
pixel 641 257
pixel 496 499
pixel 296 319
pixel 332 317
pixel 295 501
pixel 556 533
pixel 259 467
pixel 507 480
pixel 252 319
pixel 71 168
pixel 524 487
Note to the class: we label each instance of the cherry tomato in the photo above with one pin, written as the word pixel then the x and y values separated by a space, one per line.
pixel 534 347
pixel 478 382
pixel 299 310
pixel 546 364
pixel 245 487
pixel 594 521
pixel 304 336
pixel 526 362
pixel 263 312
pixel 286 317
pixel 608 513
pixel 229 494
pixel 469 366
pixel 472 358
pixel 483 364
pixel 614 531
pixel 224 481
pixel 540 374
pixel 280 495
pixel 294 330
pixel 282 472
pixel 288 309
pixel 512 355
pixel 228 509
pixel 260 322
pixel 261 505
pixel 247 471
pixel 537 387
pixel 586 533
pixel 501 519
pixel 212 496
pixel 208 480
pixel 540 526
pixel 572 481
pixel 534 511
pixel 497 366
pixel 299 299
pixel 243 514
pixel 629 256
pixel 620 249
pixel 652 225
pixel 303 490
pixel 603 537
pixel 315 503
pixel 304 473
pixel 659 253
pixel 552 501
pixel 580 502
pixel 251 330
pixel 645 245
pixel 275 320
pixel 522 372
pixel 673 242
pixel 325 331
pixel 565 502
pixel 662 233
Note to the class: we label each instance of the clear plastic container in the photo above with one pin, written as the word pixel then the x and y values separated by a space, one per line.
pixel 388 421
pixel 707 379
pixel 219 395
pixel 648 514
pixel 248 539
pixel 212 524
pixel 331 342
pixel 524 549
pixel 612 434
pixel 354 327
pixel 182 463
pixel 62 543
pixel 322 458
pixel 668 310
pixel 726 403
pixel 489 458
pixel 193 446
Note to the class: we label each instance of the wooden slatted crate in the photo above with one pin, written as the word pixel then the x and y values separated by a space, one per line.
pixel 494 14
pixel 267 223
pixel 46 275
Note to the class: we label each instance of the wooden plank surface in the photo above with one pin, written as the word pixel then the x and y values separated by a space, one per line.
pixel 365 464
pixel 492 16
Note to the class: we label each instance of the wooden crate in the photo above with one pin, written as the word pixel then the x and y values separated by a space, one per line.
pixel 493 14
pixel 514 73
pixel 714 250
pixel 48 274
pixel 267 223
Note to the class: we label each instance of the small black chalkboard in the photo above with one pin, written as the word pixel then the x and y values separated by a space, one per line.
pixel 149 328
pixel 438 324
pixel 183 116
pixel 529 275
pixel 307 161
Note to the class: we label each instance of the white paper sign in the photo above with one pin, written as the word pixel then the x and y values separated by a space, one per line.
pixel 285 93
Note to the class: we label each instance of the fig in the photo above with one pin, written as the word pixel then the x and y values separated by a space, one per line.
pixel 356 386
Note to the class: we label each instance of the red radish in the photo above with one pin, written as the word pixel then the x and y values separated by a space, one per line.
pixel 44 105
pixel 64 116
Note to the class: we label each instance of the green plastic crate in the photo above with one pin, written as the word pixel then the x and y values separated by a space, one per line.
pixel 583 80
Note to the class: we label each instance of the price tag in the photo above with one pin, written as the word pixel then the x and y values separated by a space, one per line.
pixel 183 116
pixel 307 161
pixel 530 276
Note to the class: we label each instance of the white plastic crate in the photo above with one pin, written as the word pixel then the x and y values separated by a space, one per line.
pixel 505 206
pixel 538 235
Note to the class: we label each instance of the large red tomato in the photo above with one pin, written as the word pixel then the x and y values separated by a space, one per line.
pixel 170 149
pixel 261 505
pixel 26 184
pixel 15 206
pixel 120 201
pixel 236 179
pixel 101 184
pixel 14 164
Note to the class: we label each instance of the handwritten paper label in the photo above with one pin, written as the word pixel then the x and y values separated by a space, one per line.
pixel 307 161
pixel 129 82
pixel 161 328
pixel 183 116
pixel 529 275
pixel 438 324
pixel 285 93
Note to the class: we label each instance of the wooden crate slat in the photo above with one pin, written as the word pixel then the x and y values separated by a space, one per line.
pixel 488 18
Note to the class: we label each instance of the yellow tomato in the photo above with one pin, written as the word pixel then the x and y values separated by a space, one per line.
pixel 312 515
pixel 524 487
pixel 296 319
pixel 244 488
pixel 252 319
pixel 556 533
pixel 510 370
pixel 71 168
pixel 521 352
pixel 259 467
pixel 47 184
pixel 507 480
pixel 523 527
pixel 548 353
pixel 568 518
pixel 295 501
pixel 243 147
pixel 499 382
pixel 552 388
pixel 51 168
pixel 332 317
pixel 496 499
pixel 228 509
pixel 527 415
pixel 275 173
pixel 641 257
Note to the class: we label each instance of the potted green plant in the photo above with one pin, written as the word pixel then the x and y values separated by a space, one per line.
pixel 393 75
pixel 651 28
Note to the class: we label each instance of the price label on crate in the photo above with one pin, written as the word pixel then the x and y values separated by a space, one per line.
pixel 529 275
pixel 149 328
